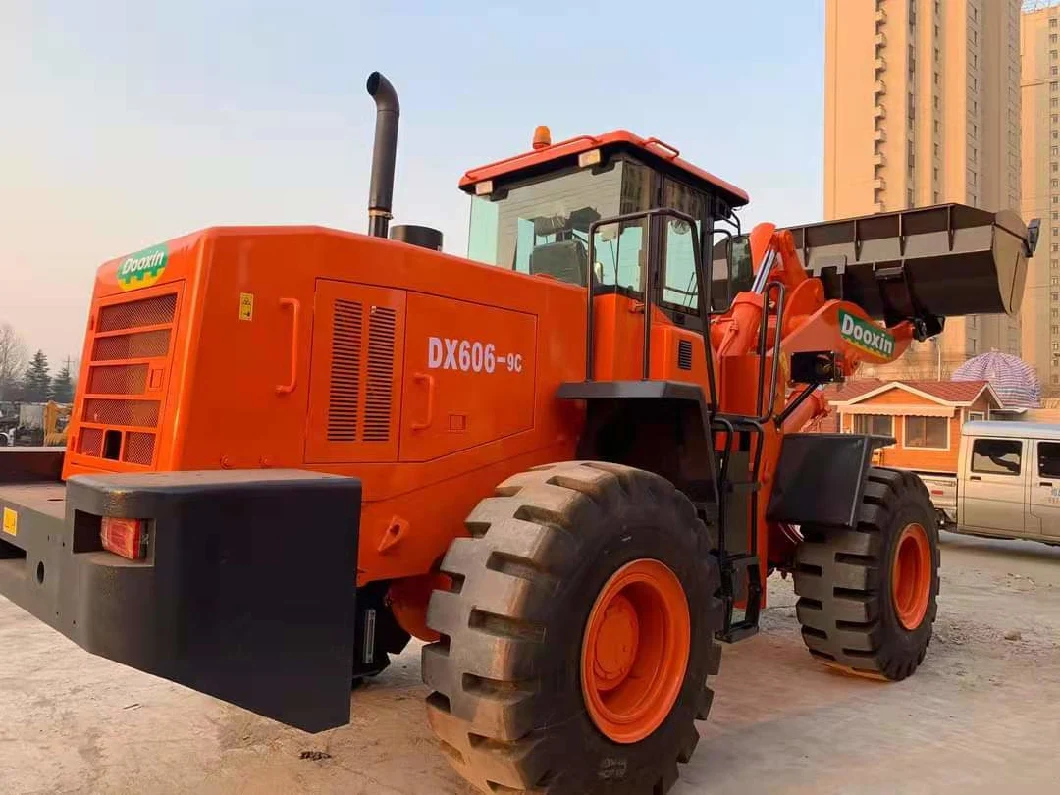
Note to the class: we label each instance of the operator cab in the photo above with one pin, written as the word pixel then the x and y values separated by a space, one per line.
pixel 611 214
pixel 532 213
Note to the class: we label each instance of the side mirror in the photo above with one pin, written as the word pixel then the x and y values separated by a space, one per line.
pixel 1034 228
pixel 732 269
pixel 720 256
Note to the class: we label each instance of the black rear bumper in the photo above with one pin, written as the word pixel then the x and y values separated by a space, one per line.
pixel 247 593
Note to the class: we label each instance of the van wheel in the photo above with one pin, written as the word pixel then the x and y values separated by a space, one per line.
pixel 867 595
pixel 579 634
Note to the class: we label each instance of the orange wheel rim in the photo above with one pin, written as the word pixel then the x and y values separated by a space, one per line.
pixel 911 576
pixel 635 650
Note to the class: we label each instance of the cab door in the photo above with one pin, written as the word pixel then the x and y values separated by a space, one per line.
pixel 994 489
pixel 1045 488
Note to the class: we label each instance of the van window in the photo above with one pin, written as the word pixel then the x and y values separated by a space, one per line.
pixel 997 456
pixel 1049 459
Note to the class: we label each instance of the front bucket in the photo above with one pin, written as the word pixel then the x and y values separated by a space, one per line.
pixel 941 261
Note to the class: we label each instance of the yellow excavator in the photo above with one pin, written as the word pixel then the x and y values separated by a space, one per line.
pixel 56 422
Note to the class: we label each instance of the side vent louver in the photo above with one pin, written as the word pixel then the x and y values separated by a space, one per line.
pixel 382 325
pixel 351 378
pixel 354 378
pixel 684 355
pixel 344 400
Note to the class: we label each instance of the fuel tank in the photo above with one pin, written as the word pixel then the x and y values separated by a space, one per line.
pixel 942 261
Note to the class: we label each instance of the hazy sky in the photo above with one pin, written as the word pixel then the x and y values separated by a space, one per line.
pixel 123 124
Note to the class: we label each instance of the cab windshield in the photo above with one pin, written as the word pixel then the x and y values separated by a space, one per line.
pixel 542 227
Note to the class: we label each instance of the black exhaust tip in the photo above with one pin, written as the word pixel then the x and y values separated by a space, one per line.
pixel 384 154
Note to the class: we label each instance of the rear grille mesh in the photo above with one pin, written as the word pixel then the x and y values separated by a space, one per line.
pixel 382 326
pixel 122 403
pixel 107 411
pixel 117 379
pixel 157 311
pixel 139 345
pixel 344 399
pixel 91 442
pixel 139 448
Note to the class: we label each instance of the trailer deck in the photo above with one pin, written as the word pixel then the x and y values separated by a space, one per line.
pixel 48 498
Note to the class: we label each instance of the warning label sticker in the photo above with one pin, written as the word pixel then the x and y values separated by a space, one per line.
pixel 10 521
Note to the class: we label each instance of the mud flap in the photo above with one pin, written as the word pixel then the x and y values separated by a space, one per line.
pixel 247 593
pixel 820 477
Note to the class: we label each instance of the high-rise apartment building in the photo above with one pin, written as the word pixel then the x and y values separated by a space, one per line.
pixel 922 106
pixel 1040 46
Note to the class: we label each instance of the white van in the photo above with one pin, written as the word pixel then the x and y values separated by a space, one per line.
pixel 1007 483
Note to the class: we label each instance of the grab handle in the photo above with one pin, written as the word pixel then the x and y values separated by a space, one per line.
pixel 421 378
pixel 673 151
pixel 296 306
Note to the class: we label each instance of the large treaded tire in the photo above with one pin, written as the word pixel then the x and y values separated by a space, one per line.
pixel 507 704
pixel 843 580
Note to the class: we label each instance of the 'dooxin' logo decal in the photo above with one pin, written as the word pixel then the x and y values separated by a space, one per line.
pixel 864 335
pixel 143 268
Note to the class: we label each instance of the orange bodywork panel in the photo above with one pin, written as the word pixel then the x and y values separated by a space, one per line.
pixel 429 377
pixel 676 353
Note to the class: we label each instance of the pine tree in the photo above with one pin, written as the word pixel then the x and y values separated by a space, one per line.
pixel 37 382
pixel 63 387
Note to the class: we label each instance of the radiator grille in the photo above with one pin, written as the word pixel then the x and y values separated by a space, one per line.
pixel 156 311
pixel 344 398
pixel 139 345
pixel 117 379
pixel 121 406
pixel 139 448
pixel 108 411
pixel 382 325
pixel 684 355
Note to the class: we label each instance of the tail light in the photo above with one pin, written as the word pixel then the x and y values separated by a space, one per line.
pixel 125 537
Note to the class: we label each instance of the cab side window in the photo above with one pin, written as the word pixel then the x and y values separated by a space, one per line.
pixel 997 456
pixel 681 284
pixel 1049 459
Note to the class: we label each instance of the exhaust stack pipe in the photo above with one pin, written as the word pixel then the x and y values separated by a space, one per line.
pixel 384 155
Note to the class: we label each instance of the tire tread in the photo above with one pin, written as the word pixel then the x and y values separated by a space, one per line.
pixel 839 580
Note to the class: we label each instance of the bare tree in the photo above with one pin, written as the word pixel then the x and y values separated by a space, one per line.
pixel 12 359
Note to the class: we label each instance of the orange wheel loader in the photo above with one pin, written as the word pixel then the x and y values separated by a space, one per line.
pixel 567 463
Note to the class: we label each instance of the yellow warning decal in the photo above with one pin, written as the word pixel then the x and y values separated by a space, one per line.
pixel 246 306
pixel 10 521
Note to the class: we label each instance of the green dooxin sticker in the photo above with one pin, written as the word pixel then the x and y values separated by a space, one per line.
pixel 867 336
pixel 143 268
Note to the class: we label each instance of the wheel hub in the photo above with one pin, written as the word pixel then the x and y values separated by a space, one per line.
pixel 635 650
pixel 911 576
pixel 616 643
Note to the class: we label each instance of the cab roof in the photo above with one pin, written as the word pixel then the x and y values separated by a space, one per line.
pixel 653 151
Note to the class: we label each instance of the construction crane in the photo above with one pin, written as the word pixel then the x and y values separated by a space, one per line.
pixel 567 463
